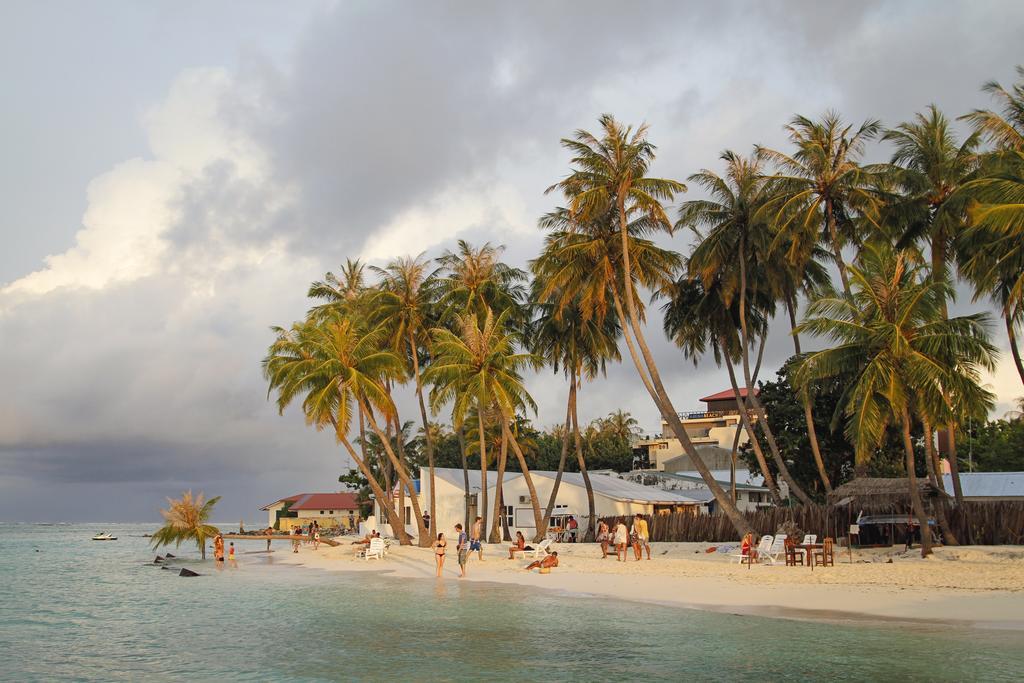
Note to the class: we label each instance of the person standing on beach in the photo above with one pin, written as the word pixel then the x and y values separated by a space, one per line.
pixel 475 538
pixel 296 538
pixel 316 538
pixel 621 538
pixel 440 545
pixel 641 536
pixel 604 538
pixel 462 546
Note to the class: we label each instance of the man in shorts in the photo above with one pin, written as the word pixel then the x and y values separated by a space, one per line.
pixel 476 536
pixel 463 547
pixel 641 536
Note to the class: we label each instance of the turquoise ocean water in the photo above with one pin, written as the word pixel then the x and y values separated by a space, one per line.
pixel 84 610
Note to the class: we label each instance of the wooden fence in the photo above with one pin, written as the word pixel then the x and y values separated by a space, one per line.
pixel 973 523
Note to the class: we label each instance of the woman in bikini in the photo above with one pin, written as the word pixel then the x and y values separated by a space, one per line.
pixel 520 544
pixel 439 549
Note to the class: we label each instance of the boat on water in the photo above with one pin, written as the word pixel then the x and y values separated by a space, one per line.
pixel 104 537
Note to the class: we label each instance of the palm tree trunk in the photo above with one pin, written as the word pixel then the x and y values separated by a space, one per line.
pixel 837 250
pixel 762 462
pixel 538 517
pixel 591 507
pixel 400 507
pixel 561 460
pixel 954 464
pixel 481 508
pixel 915 494
pixel 404 478
pixel 461 436
pixel 1011 334
pixel 762 419
pixel 378 492
pixel 666 408
pixel 428 438
pixel 939 273
pixel 495 535
pixel 812 434
pixel 940 505
pixel 202 550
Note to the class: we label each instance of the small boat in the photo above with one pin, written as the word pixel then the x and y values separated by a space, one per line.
pixel 104 537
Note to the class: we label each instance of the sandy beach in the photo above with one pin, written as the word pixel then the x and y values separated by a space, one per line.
pixel 972 586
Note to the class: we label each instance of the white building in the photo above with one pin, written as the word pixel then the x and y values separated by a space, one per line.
pixel 712 430
pixel 751 493
pixel 988 486
pixel 612 496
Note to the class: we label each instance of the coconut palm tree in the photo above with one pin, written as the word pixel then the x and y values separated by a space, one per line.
pixel 480 368
pixel 475 279
pixel 405 303
pixel 337 366
pixel 187 519
pixel 903 356
pixel 580 347
pixel 610 185
pixel 821 187
pixel 1004 129
pixel 735 233
pixel 930 166
pixel 620 424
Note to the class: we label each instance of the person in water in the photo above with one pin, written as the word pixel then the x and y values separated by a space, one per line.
pixel 440 545
pixel 218 548
pixel 546 563
pixel 231 551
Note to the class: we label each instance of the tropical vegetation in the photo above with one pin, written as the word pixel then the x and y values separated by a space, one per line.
pixel 811 239
pixel 186 519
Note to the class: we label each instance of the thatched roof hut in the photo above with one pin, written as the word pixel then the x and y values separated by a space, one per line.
pixel 876 493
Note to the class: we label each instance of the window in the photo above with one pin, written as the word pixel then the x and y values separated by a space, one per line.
pixel 509 516
pixel 321 512
pixel 330 512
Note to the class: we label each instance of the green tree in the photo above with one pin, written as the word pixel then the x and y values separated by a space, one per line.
pixel 822 188
pixel 997 445
pixel 901 355
pixel 187 519
pixel 609 188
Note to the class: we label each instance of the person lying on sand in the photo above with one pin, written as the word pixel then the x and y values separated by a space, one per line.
pixel 548 562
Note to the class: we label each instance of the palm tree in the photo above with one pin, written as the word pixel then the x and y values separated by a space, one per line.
pixel 620 424
pixel 405 304
pixel 580 347
pixel 336 366
pixel 480 368
pixel 901 355
pixel 186 519
pixel 609 186
pixel 1005 130
pixel 822 187
pixel 735 233
pixel 930 166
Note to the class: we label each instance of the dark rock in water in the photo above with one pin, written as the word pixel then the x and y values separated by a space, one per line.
pixel 164 566
pixel 187 572
pixel 158 559
pixel 169 556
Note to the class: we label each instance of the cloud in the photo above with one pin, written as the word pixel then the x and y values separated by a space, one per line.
pixel 133 354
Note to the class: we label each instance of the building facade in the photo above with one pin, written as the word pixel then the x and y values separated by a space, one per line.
pixel 328 509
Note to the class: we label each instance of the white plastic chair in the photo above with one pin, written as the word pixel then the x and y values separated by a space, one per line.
pixel 542 547
pixel 810 539
pixel 777 548
pixel 376 549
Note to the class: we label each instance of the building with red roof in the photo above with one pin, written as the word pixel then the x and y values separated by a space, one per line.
pixel 329 509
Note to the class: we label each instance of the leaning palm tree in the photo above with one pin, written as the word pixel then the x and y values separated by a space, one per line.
pixel 580 347
pixel 405 304
pixel 609 189
pixel 187 519
pixel 730 231
pixel 821 187
pixel 904 357
pixel 335 366
pixel 480 368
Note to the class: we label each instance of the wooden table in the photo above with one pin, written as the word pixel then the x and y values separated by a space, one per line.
pixel 809 548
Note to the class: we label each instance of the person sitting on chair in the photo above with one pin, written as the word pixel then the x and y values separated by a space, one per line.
pixel 517 546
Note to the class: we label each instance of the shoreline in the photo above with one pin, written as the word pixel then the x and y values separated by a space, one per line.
pixel 990 594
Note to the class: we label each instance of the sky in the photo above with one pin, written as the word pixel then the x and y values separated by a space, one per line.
pixel 175 174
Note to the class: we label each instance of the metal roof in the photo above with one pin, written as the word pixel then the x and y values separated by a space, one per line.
pixel 988 484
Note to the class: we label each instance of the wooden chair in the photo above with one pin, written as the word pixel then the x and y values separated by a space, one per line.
pixel 794 555
pixel 825 557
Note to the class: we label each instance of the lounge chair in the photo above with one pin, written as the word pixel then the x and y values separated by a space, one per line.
pixel 777 548
pixel 542 547
pixel 376 549
pixel 759 552
pixel 810 539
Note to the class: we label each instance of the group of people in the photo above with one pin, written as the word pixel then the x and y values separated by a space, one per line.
pixel 311 532
pixel 218 549
pixel 473 542
pixel 637 535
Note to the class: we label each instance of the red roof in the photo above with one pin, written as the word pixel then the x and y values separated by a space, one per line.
pixel 319 501
pixel 728 394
